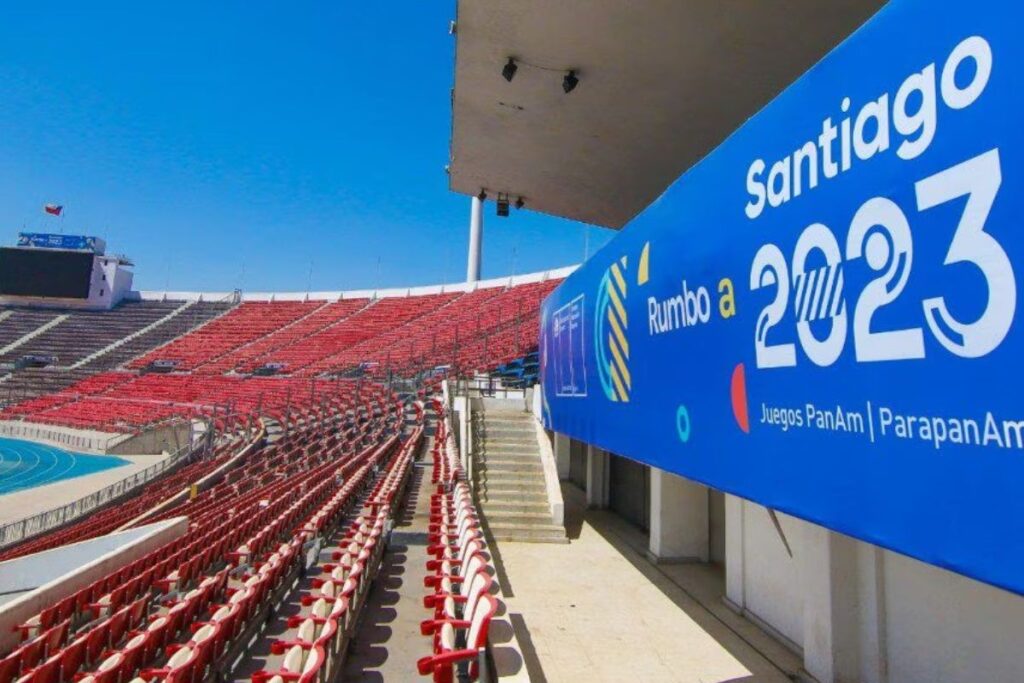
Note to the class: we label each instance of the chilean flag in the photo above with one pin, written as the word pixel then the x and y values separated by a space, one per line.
pixel 53 209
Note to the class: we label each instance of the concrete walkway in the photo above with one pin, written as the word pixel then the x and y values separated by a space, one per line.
pixel 598 610
pixel 27 502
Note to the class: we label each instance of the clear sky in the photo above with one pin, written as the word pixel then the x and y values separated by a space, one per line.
pixel 233 144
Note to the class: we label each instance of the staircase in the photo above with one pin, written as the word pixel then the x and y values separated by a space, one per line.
pixel 509 478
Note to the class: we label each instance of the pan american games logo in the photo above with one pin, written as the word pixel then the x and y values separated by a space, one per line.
pixel 610 327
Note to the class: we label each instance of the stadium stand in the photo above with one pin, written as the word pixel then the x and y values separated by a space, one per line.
pixel 83 332
pixel 243 325
pixel 315 353
pixel 244 359
pixel 19 322
pixel 477 331
pixel 495 325
pixel 332 479
pixel 123 334
pixel 193 315
pixel 183 610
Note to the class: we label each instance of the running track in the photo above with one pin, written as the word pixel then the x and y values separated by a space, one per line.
pixel 25 464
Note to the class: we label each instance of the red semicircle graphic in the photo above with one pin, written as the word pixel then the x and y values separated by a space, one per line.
pixel 738 392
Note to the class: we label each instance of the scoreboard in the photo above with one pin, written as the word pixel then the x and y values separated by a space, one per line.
pixel 45 273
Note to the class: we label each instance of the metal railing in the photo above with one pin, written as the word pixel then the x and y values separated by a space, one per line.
pixel 22 529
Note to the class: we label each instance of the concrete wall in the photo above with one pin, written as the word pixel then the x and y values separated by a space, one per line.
pixel 166 438
pixel 78 440
pixel 60 572
pixel 862 614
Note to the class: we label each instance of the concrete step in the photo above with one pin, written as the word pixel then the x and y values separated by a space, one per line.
pixel 516 506
pixel 516 517
pixel 524 446
pixel 526 477
pixel 525 465
pixel 509 419
pixel 504 494
pixel 508 438
pixel 528 533
pixel 512 480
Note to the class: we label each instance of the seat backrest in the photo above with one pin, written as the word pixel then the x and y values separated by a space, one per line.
pixel 293 659
pixel 479 585
pixel 307 631
pixel 180 658
pixel 480 621
pixel 319 608
pixel 313 661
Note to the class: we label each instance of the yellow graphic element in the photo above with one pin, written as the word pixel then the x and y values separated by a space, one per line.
pixel 643 270
pixel 726 298
pixel 618 324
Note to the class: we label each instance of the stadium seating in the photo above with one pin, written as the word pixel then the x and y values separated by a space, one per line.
pixel 333 480
pixel 244 324
pixel 459 574
pixel 85 332
pixel 18 322
pixel 316 353
pixel 122 339
pixel 175 613
pixel 477 331
pixel 246 358
pixel 190 318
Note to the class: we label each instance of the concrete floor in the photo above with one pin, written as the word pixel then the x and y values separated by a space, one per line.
pixel 598 610
pixel 27 502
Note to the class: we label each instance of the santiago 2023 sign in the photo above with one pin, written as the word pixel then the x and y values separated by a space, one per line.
pixel 822 316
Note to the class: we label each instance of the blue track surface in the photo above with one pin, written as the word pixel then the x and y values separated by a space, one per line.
pixel 24 464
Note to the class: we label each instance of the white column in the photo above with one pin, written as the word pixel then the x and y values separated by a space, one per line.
pixel 476 238
pixel 679 519
pixel 597 477
pixel 735 581
pixel 829 576
pixel 562 447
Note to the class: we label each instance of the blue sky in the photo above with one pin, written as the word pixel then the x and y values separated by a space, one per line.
pixel 230 144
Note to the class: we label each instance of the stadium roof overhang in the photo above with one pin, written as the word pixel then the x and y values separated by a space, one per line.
pixel 661 83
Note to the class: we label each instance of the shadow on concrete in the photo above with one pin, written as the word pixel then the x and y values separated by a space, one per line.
pixel 697 589
pixel 529 653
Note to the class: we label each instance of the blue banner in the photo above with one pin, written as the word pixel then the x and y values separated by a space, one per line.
pixel 46 240
pixel 821 316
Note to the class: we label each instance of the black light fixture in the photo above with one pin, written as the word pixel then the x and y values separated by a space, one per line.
pixel 483 195
pixel 509 70
pixel 570 81
pixel 502 205
pixel 520 203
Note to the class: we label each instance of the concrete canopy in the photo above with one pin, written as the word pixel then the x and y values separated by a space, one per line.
pixel 661 83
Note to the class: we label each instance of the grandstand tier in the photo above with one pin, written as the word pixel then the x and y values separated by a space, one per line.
pixel 211 348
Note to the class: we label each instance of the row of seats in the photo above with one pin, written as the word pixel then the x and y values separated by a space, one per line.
pixel 314 354
pixel 316 638
pixel 477 331
pixel 338 397
pixel 242 325
pixel 251 356
pixel 459 574
pixel 30 382
pixel 126 402
pixel 82 333
pixel 188 574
